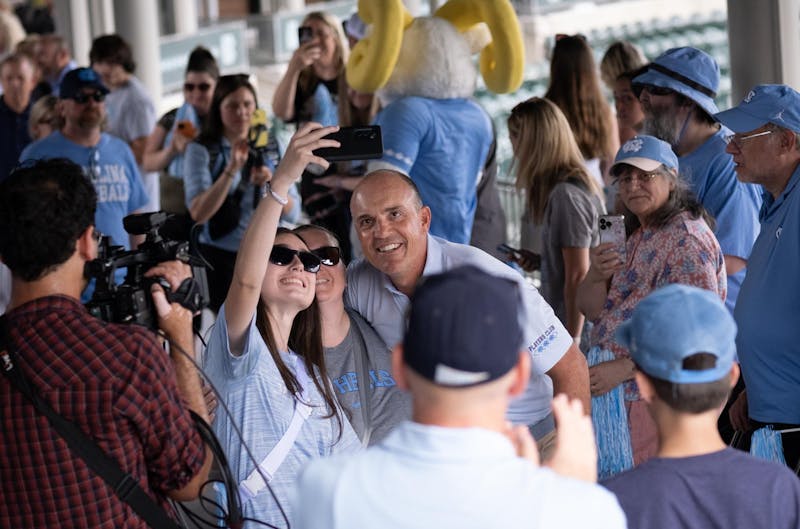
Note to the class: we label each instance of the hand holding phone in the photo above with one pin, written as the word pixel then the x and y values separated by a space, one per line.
pixel 305 34
pixel 357 143
pixel 528 260
pixel 612 229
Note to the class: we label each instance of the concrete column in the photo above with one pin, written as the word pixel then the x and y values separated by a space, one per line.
pixel 137 22
pixel 185 15
pixel 72 21
pixel 764 37
pixel 102 13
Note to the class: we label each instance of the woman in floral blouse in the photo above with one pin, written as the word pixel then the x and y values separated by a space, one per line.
pixel 669 241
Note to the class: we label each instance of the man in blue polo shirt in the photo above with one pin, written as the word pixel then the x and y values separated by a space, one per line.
pixel 765 150
pixel 677 92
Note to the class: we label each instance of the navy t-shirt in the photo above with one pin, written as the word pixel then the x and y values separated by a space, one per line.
pixel 728 489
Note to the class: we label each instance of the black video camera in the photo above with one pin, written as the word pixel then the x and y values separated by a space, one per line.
pixel 131 301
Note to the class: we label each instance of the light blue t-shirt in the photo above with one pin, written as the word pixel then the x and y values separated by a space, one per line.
pixel 113 171
pixel 442 145
pixel 371 293
pixel 185 112
pixel 768 312
pixel 254 392
pixel 711 175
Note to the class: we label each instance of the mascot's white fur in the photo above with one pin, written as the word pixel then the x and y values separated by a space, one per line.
pixel 422 69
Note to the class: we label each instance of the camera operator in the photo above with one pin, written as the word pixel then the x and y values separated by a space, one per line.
pixel 114 382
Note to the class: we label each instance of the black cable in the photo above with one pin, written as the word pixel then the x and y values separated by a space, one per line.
pixel 233 486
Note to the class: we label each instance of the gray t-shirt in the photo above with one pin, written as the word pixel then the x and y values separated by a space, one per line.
pixel 570 221
pixel 389 405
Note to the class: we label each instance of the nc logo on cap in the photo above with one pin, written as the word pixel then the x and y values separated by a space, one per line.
pixel 634 145
pixel 750 95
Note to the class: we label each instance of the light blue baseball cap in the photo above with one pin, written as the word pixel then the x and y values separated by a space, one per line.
pixel 675 322
pixel 687 71
pixel 765 103
pixel 647 153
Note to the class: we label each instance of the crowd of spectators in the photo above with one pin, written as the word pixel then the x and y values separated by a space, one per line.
pixel 373 365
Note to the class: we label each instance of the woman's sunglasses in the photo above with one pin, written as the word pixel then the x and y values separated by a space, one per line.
pixel 328 255
pixel 203 87
pixel 282 256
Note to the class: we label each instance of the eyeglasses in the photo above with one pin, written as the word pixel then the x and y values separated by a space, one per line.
pixel 82 97
pixel 641 178
pixel 328 255
pixel 737 140
pixel 190 87
pixel 283 256
pixel 651 89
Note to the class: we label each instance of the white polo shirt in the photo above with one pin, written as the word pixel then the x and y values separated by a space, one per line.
pixel 373 295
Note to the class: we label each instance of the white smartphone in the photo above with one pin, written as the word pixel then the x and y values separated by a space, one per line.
pixel 612 229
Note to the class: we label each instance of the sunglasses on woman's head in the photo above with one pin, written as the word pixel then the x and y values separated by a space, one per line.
pixel 328 255
pixel 283 256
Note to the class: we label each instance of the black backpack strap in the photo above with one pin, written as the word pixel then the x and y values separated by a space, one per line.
pixel 123 484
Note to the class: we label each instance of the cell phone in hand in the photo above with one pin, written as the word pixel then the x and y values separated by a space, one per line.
pixel 509 250
pixel 357 143
pixel 305 34
pixel 612 229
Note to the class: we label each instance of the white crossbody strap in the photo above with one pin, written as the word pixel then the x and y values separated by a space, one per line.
pixel 254 483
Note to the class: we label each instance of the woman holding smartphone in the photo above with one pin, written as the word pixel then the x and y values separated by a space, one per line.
pixel 669 241
pixel 265 352
pixel 312 84
pixel 562 199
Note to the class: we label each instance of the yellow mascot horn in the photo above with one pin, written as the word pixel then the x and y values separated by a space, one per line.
pixel 503 60
pixel 373 58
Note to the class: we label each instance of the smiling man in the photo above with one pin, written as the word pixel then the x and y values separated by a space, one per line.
pixel 766 150
pixel 393 224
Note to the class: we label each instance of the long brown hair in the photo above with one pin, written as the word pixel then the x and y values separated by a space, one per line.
pixel 545 153
pixel 305 339
pixel 575 89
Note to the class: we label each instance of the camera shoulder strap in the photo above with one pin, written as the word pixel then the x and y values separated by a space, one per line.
pixel 123 484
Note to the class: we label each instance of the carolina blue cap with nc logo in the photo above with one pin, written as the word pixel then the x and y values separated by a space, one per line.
pixel 647 153
pixel 687 71
pixel 765 103
pixel 675 322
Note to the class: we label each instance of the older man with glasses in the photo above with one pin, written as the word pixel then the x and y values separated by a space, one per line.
pixel 766 150
pixel 677 92
pixel 106 160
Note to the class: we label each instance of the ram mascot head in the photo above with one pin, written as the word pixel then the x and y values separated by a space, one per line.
pixel 432 56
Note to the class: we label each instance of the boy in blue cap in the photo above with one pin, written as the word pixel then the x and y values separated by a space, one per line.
pixel 765 149
pixel 682 340
pixel 677 92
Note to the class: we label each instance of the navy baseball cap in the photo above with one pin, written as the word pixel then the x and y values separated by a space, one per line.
pixel 76 80
pixel 675 322
pixel 463 328
pixel 647 153
pixel 687 71
pixel 765 103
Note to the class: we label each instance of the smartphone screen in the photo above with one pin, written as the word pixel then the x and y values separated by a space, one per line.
pixel 357 143
pixel 305 34
pixel 612 229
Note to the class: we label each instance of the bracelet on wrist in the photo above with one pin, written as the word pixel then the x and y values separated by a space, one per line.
pixel 269 192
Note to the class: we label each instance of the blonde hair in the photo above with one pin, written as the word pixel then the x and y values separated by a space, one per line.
pixel 621 57
pixel 545 153
pixel 44 111
pixel 307 76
